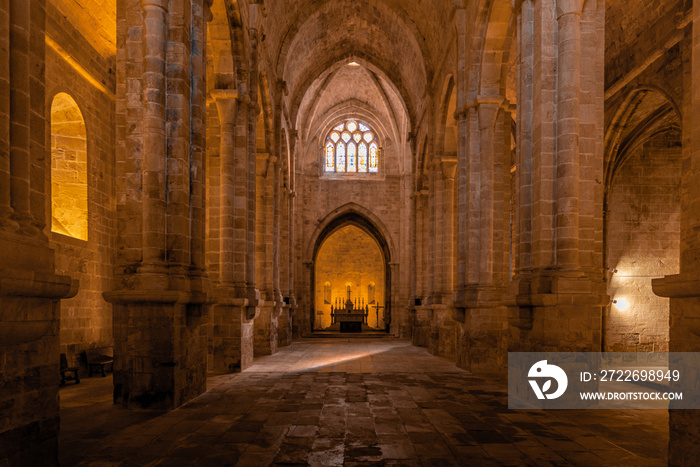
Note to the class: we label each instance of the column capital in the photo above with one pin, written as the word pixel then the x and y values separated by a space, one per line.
pixel 162 4
pixel 226 103
pixel 449 167
pixel 487 108
pixel 569 7
pixel 516 5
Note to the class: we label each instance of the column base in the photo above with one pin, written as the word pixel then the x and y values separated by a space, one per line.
pixel 444 332
pixel 422 325
pixel 160 347
pixel 265 329
pixel 684 336
pixel 556 311
pixel 284 326
pixel 483 334
pixel 231 340
pixel 30 294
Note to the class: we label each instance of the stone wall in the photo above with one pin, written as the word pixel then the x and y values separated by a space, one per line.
pixel 75 68
pixel 643 240
pixel 319 197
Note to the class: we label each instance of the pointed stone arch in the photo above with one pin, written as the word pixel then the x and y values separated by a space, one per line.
pixel 361 217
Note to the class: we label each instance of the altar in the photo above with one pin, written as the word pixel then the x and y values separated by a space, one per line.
pixel 349 317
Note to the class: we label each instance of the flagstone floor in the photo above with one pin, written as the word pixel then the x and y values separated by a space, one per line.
pixel 352 402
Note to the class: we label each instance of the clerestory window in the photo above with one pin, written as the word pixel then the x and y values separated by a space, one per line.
pixel 351 147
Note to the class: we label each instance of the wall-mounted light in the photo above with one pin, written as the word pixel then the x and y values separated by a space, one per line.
pixel 621 304
pixel 612 270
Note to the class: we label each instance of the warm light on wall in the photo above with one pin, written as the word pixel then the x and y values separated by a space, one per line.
pixel 69 197
pixel 621 304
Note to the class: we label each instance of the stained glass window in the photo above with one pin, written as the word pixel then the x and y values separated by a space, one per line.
pixel 351 147
pixel 330 157
pixel 373 157
pixel 363 157
pixel 352 151
pixel 340 157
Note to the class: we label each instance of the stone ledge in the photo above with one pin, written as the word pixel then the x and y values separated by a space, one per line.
pixel 24 283
pixel 677 286
pixel 126 297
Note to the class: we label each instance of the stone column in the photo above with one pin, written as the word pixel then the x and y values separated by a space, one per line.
pixel 433 243
pixel 487 109
pixel 460 287
pixel 231 347
pixel 445 329
pixel 483 344
pixel 21 111
pixel 447 173
pixel 568 131
pixel 422 316
pixel 30 290
pixel 153 139
pixel 284 325
pixel 294 318
pixel 161 291
pixel 556 299
pixel 425 242
pixel 265 326
pixel 684 289
pixel 249 117
pixel 5 108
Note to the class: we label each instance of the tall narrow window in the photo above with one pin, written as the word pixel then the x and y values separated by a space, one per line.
pixel 351 147
pixel 69 193
pixel 327 293
pixel 352 151
pixel 330 157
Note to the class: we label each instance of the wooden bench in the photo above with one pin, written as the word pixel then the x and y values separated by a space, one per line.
pixel 100 359
pixel 68 373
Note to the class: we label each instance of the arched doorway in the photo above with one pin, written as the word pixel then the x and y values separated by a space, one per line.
pixel 351 261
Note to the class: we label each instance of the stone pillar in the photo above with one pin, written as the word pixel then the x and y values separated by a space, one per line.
pixel 480 302
pixel 444 328
pixel 460 287
pixel 684 289
pixel 447 173
pixel 161 291
pixel 231 347
pixel 425 242
pixel 296 321
pixel 487 110
pixel 433 243
pixel 556 299
pixel 284 330
pixel 419 266
pixel 249 117
pixel 568 131
pixel 30 290
pixel 265 326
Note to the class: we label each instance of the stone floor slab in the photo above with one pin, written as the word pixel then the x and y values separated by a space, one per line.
pixel 351 402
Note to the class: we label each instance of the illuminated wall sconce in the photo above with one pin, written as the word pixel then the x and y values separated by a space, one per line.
pixel 612 270
pixel 621 304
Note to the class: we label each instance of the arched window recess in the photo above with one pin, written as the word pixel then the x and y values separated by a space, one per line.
pixel 351 147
